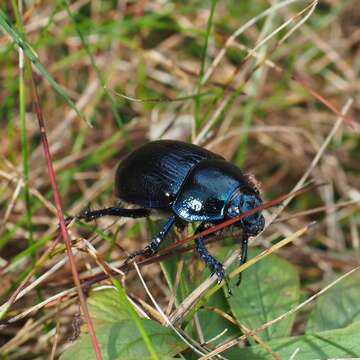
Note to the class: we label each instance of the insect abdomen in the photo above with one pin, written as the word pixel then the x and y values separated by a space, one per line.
pixel 152 175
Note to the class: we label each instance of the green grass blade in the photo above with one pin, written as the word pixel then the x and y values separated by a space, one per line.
pixel 133 314
pixel 196 123
pixel 23 132
pixel 32 56
pixel 118 118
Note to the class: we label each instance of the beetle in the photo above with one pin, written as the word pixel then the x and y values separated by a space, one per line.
pixel 187 184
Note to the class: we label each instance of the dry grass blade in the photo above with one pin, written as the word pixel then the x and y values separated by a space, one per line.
pixel 270 86
pixel 23 288
pixel 165 318
pixel 239 31
pixel 316 159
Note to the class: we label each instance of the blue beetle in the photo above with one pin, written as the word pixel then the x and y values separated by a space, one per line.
pixel 188 184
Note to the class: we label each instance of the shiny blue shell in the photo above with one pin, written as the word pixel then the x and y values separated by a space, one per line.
pixel 207 189
pixel 178 177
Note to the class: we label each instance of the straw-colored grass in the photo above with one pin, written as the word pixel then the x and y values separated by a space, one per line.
pixel 272 86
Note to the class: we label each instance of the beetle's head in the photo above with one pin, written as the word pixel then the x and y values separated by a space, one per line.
pixel 242 202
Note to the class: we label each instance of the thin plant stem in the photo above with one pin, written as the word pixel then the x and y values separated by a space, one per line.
pixel 196 121
pixel 60 214
pixel 118 118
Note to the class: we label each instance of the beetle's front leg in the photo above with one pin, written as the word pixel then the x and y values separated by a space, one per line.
pixel 155 242
pixel 214 265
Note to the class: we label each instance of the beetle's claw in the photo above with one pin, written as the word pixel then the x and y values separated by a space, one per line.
pixel 220 276
pixel 146 252
pixel 217 268
pixel 68 219
pixel 86 216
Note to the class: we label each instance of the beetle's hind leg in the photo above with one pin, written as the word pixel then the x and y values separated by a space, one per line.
pixel 155 242
pixel 214 265
pixel 89 215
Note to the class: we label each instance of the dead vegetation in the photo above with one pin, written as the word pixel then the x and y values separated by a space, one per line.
pixel 276 94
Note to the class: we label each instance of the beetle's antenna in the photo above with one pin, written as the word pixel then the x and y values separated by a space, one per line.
pixel 243 256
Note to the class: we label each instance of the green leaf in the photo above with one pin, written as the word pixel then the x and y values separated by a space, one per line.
pixel 121 340
pixel 217 301
pixel 118 335
pixel 105 307
pixel 340 343
pixel 212 323
pixel 338 307
pixel 268 289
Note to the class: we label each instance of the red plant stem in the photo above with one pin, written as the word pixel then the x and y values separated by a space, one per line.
pixel 233 220
pixel 60 215
pixel 167 251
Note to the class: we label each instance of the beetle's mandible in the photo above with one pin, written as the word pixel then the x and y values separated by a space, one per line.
pixel 187 184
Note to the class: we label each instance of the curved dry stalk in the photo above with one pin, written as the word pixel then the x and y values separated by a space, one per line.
pixel 238 32
pixel 315 160
pixel 12 202
pixel 209 124
pixel 237 131
pixel 18 178
pixel 311 9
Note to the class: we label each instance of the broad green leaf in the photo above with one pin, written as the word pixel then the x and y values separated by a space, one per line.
pixel 212 323
pixel 121 340
pixel 340 343
pixel 338 307
pixel 105 307
pixel 118 335
pixel 208 321
pixel 268 289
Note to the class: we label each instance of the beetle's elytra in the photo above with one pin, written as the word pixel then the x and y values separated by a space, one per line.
pixel 188 184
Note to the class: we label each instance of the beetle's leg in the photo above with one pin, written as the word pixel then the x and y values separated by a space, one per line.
pixel 243 256
pixel 155 242
pixel 214 265
pixel 89 215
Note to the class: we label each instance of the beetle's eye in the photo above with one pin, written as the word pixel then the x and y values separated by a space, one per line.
pixel 251 203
